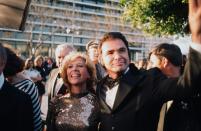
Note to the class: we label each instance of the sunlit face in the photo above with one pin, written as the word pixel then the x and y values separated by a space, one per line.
pixel 77 72
pixel 154 61
pixel 49 61
pixel 93 54
pixel 40 62
pixel 60 56
pixel 115 56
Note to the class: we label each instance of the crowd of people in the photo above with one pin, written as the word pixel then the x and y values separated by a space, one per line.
pixel 101 90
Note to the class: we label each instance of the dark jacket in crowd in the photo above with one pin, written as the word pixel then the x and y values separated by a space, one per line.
pixel 16 112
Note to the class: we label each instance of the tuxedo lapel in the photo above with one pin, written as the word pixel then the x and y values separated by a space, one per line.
pixel 105 108
pixel 127 83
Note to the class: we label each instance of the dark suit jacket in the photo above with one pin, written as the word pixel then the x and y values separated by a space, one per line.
pixel 16 110
pixel 141 94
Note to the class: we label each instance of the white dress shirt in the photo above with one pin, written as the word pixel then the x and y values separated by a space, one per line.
pixel 111 93
pixel 1 80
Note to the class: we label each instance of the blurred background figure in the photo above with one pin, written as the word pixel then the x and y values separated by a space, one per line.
pixel 38 65
pixel 92 52
pixel 30 72
pixel 49 64
pixel 142 64
pixel 79 108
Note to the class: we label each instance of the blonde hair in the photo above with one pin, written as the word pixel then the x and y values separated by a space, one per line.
pixel 37 59
pixel 27 62
pixel 89 65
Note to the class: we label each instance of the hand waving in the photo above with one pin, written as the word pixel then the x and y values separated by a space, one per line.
pixel 195 20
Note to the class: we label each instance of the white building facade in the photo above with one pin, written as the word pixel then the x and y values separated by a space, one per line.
pixel 75 22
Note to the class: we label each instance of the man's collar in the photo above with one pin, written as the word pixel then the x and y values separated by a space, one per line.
pixel 119 75
pixel 1 80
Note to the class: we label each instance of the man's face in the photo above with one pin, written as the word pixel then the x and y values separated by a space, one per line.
pixel 30 64
pixel 115 56
pixel 40 62
pixel 154 61
pixel 60 56
pixel 93 54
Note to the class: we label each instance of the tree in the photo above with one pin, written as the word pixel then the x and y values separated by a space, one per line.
pixel 36 40
pixel 162 17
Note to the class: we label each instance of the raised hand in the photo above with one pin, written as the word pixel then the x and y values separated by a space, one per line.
pixel 195 20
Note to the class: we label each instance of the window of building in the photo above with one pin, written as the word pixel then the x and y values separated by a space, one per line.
pixel 19 35
pixel 59 38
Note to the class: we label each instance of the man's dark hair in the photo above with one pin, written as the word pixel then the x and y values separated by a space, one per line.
pixel 14 63
pixel 170 51
pixel 113 35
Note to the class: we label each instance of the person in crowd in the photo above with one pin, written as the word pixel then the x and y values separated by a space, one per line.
pixel 38 65
pixel 168 58
pixel 49 64
pixel 16 108
pixel 78 110
pixel 54 85
pixel 30 72
pixel 13 73
pixel 92 52
pixel 131 99
pixel 181 115
pixel 142 64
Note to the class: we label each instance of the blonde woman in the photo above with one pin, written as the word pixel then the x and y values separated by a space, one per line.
pixel 30 72
pixel 78 109
pixel 38 65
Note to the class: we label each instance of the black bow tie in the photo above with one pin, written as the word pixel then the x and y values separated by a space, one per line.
pixel 111 82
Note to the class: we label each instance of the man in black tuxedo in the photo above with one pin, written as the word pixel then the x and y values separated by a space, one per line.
pixel 16 107
pixel 131 99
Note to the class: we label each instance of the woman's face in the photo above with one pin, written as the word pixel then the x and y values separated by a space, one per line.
pixel 77 72
pixel 40 62
pixel 30 64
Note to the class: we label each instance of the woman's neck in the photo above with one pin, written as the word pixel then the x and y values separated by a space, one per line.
pixel 78 89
